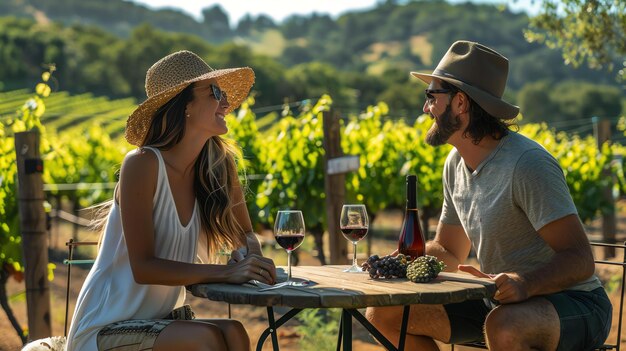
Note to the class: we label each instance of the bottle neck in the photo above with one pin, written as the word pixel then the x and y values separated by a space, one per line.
pixel 411 195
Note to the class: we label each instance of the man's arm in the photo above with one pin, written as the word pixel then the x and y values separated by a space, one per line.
pixel 571 263
pixel 450 245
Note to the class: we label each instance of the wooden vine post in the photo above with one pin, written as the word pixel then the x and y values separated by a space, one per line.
pixel 335 167
pixel 33 229
pixel 602 131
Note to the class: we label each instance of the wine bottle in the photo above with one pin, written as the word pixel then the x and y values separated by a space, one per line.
pixel 411 242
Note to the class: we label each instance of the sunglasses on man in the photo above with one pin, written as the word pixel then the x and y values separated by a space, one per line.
pixel 430 98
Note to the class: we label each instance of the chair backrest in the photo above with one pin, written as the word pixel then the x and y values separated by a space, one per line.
pixel 69 261
pixel 618 248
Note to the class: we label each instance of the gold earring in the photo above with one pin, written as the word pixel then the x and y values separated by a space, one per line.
pixel 187 115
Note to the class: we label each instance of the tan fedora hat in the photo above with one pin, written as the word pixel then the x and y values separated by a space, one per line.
pixel 478 71
pixel 173 73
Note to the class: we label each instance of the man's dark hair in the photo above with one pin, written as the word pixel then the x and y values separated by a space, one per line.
pixel 481 123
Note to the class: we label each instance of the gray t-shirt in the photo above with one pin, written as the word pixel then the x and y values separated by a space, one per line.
pixel 514 192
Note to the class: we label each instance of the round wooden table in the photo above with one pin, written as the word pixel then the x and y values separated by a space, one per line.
pixel 333 288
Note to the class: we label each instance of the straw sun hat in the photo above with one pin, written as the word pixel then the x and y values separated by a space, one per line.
pixel 478 71
pixel 173 73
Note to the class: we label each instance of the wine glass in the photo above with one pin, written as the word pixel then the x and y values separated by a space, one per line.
pixel 354 225
pixel 289 233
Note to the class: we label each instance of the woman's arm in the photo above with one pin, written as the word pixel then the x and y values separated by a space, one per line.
pixel 138 181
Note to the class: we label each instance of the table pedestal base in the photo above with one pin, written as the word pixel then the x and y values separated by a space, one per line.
pixel 345 329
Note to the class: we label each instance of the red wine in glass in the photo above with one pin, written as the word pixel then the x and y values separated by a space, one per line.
pixel 354 233
pixel 354 223
pixel 289 233
pixel 289 242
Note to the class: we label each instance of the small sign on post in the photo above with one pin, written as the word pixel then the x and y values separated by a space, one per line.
pixel 343 164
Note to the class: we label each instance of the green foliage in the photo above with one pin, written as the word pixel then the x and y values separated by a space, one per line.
pixel 316 79
pixel 117 16
pixel 216 21
pixel 87 156
pixel 249 25
pixel 243 129
pixel 613 283
pixel 10 240
pixel 592 31
pixel 319 329
pixel 25 119
pixel 292 156
pixel 568 100
pixel 388 152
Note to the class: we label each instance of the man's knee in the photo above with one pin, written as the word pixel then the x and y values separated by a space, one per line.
pixel 514 327
pixel 384 317
pixel 501 329
pixel 389 320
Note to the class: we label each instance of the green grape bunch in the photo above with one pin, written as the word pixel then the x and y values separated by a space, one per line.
pixel 424 269
pixel 386 267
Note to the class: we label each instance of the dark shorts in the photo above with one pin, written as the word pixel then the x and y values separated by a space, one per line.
pixel 138 334
pixel 585 318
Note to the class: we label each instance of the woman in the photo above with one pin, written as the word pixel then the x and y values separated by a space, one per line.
pixel 178 198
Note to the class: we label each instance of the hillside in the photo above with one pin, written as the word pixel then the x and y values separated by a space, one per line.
pixel 398 35
pixel 359 58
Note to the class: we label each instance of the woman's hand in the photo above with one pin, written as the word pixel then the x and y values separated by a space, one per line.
pixel 252 267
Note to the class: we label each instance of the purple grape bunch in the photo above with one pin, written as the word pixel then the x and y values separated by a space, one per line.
pixel 386 267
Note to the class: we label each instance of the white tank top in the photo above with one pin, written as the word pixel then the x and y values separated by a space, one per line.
pixel 110 293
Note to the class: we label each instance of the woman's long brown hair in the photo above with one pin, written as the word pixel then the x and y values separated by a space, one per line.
pixel 215 173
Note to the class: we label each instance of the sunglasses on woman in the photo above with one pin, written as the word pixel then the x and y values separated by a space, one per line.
pixel 218 93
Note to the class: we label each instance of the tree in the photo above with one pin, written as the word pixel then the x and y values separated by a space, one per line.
pixel 296 54
pixel 313 79
pixel 247 25
pixel 535 102
pixel 568 101
pixel 216 20
pixel 584 30
pixel 263 22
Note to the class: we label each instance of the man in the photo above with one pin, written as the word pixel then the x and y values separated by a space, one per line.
pixel 507 197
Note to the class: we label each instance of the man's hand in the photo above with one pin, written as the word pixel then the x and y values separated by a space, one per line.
pixel 511 287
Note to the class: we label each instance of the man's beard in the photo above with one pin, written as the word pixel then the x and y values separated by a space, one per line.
pixel 442 128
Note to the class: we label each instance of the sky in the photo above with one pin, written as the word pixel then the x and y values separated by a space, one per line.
pixel 281 9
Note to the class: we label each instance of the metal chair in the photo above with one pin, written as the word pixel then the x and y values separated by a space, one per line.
pixel 606 346
pixel 69 262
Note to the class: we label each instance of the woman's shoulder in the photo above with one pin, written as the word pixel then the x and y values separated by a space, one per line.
pixel 140 162
pixel 144 156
